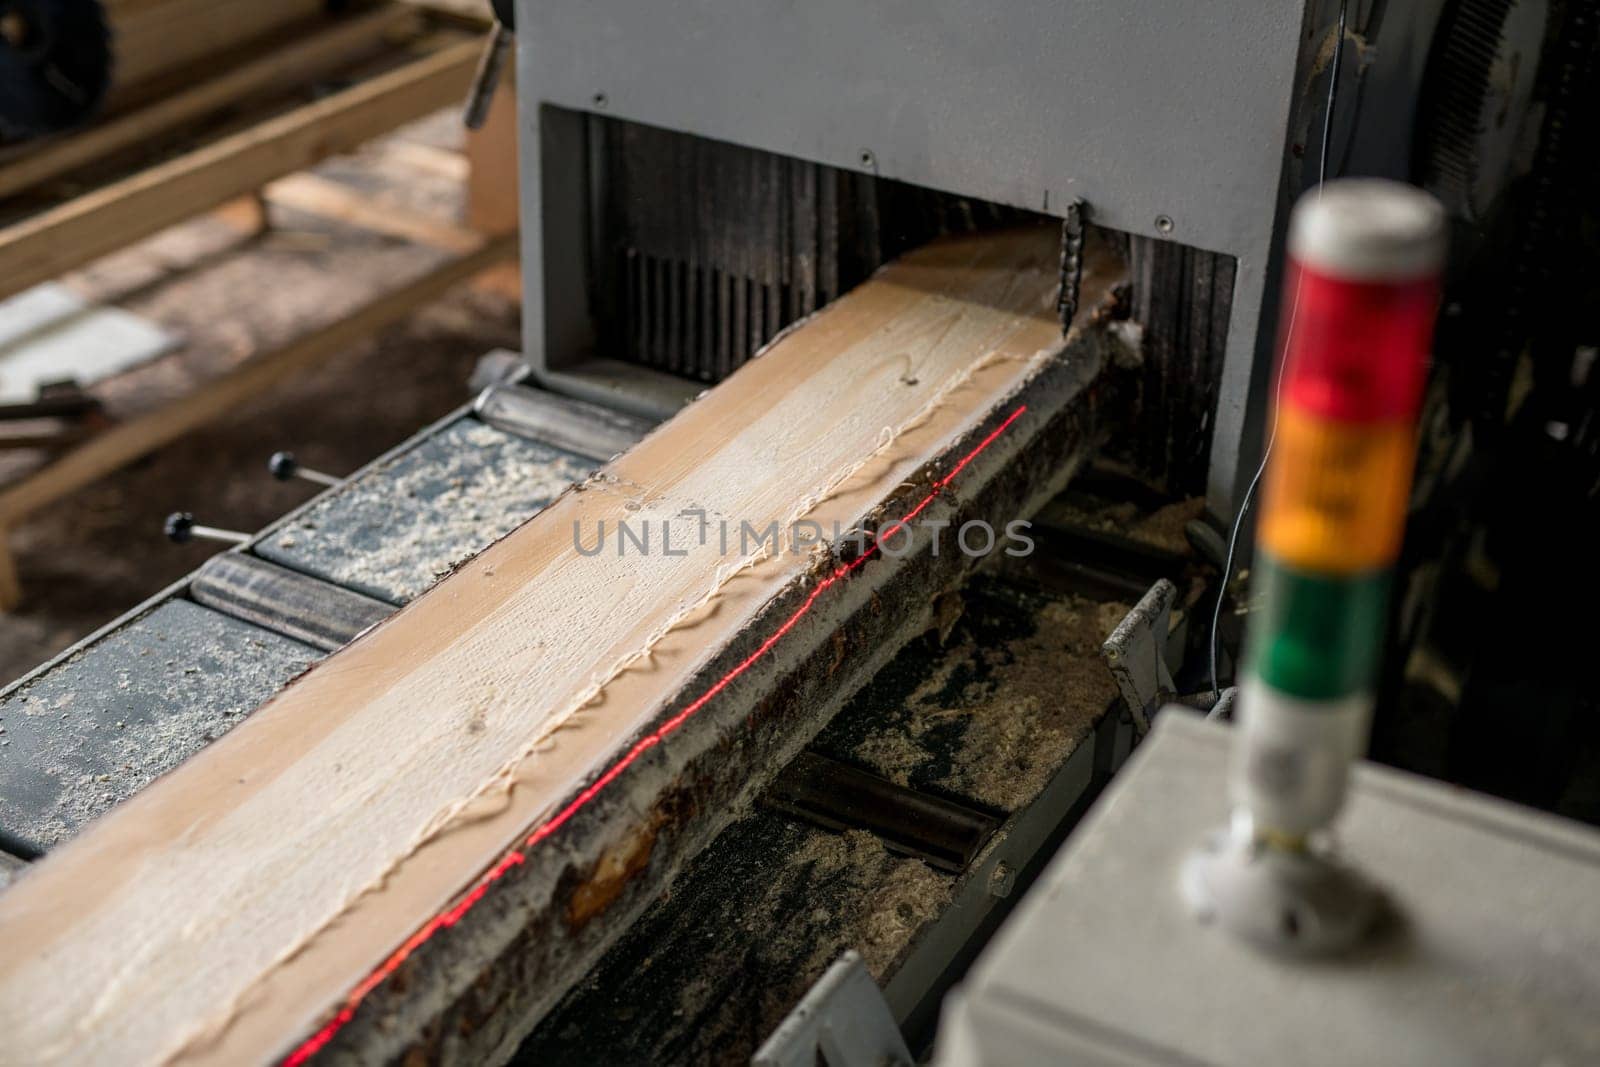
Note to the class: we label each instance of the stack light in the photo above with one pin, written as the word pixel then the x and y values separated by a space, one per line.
pixel 1361 295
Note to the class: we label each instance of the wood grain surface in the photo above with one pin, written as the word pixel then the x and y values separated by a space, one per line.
pixel 228 911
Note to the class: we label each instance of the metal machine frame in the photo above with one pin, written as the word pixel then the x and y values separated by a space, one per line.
pixel 1169 121
pixel 1179 122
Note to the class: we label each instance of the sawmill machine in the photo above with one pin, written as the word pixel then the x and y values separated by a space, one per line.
pixel 694 179
pixel 697 177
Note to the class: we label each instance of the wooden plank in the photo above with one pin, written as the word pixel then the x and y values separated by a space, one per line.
pixel 42 433
pixel 492 190
pixel 328 199
pixel 156 38
pixel 474 13
pixel 504 282
pixel 137 437
pixel 294 64
pixel 427 159
pixel 247 214
pixel 596 715
pixel 10 585
pixel 49 244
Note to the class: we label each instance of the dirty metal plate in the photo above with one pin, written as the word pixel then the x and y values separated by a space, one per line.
pixel 107 721
pixel 404 524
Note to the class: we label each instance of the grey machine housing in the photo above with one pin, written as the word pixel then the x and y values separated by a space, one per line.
pixel 1171 121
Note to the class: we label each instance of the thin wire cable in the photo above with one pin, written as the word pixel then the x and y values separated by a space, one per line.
pixel 1277 395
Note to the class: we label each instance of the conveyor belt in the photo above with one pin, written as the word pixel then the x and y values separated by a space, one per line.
pixel 408 520
pixel 125 709
pixel 92 727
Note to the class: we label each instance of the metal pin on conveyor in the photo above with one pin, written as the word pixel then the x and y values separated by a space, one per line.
pixel 283 466
pixel 181 528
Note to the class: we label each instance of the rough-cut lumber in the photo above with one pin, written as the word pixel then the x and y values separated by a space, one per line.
pixel 422 842
pixel 48 244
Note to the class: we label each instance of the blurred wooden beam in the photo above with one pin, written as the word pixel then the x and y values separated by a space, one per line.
pixel 47 245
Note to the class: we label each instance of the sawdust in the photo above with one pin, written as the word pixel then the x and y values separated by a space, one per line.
pixel 894 898
pixel 994 722
pixel 709 971
pixel 143 701
pixel 135 758
pixel 1162 528
pixel 395 533
pixel 858 896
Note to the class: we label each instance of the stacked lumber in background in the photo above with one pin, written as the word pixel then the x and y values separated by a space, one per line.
pixel 153 39
pixel 224 130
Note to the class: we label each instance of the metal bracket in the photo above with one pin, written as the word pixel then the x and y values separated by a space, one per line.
pixel 844 1018
pixel 1136 654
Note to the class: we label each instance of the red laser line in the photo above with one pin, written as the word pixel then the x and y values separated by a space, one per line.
pixel 452 915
